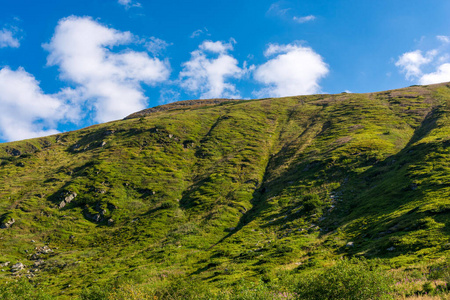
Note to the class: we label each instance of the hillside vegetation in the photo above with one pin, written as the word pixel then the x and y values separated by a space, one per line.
pixel 234 199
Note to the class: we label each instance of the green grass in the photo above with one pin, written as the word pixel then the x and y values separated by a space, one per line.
pixel 230 195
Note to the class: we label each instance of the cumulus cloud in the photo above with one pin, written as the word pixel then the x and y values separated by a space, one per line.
pixel 431 67
pixel 410 63
pixel 216 47
pixel 442 74
pixel 26 111
pixel 8 39
pixel 304 19
pixel 208 70
pixel 291 70
pixel 82 49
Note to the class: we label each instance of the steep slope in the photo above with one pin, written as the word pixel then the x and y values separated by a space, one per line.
pixel 231 189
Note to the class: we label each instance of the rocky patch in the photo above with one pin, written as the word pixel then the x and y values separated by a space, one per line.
pixel 67 198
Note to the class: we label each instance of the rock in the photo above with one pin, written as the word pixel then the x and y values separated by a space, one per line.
pixel 390 249
pixel 7 224
pixel 103 144
pixel 70 197
pixel 67 199
pixel 5 264
pixel 17 267
pixel 46 249
pixel 38 262
pixel 350 244
pixel 110 222
pixel 40 251
pixel 92 217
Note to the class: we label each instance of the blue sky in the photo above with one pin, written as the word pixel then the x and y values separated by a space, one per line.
pixel 68 64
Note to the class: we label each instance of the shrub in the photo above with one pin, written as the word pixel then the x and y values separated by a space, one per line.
pixel 354 279
pixel 168 205
pixel 427 287
pixel 312 204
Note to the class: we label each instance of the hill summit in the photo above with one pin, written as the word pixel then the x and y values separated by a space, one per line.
pixel 218 191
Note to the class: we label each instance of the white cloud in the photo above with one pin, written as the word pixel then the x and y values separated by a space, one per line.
pixel 199 32
pixel 129 3
pixel 444 39
pixel 410 63
pixel 168 96
pixel 26 111
pixel 304 19
pixel 442 74
pixel 433 67
pixel 155 46
pixel 277 9
pixel 216 47
pixel 81 48
pixel 209 68
pixel 7 38
pixel 294 70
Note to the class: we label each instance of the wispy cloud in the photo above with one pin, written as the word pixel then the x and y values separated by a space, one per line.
pixel 168 96
pixel 443 38
pixel 291 70
pixel 156 46
pixel 129 3
pixel 304 19
pixel 8 37
pixel 277 9
pixel 200 32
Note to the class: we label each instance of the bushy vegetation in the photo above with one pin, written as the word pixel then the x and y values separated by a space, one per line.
pixel 352 279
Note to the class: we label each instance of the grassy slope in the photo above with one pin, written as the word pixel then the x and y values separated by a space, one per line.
pixel 235 190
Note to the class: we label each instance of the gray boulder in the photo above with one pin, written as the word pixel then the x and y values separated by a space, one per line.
pixel 67 199
pixel 7 224
pixel 17 267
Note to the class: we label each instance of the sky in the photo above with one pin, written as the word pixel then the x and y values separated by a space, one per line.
pixel 68 64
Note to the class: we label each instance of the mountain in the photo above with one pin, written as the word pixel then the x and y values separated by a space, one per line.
pixel 218 191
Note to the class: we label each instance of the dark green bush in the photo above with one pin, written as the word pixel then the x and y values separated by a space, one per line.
pixel 312 204
pixel 427 287
pixel 348 279
pixel 168 204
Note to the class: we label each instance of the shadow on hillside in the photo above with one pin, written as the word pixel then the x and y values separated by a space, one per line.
pixel 387 187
